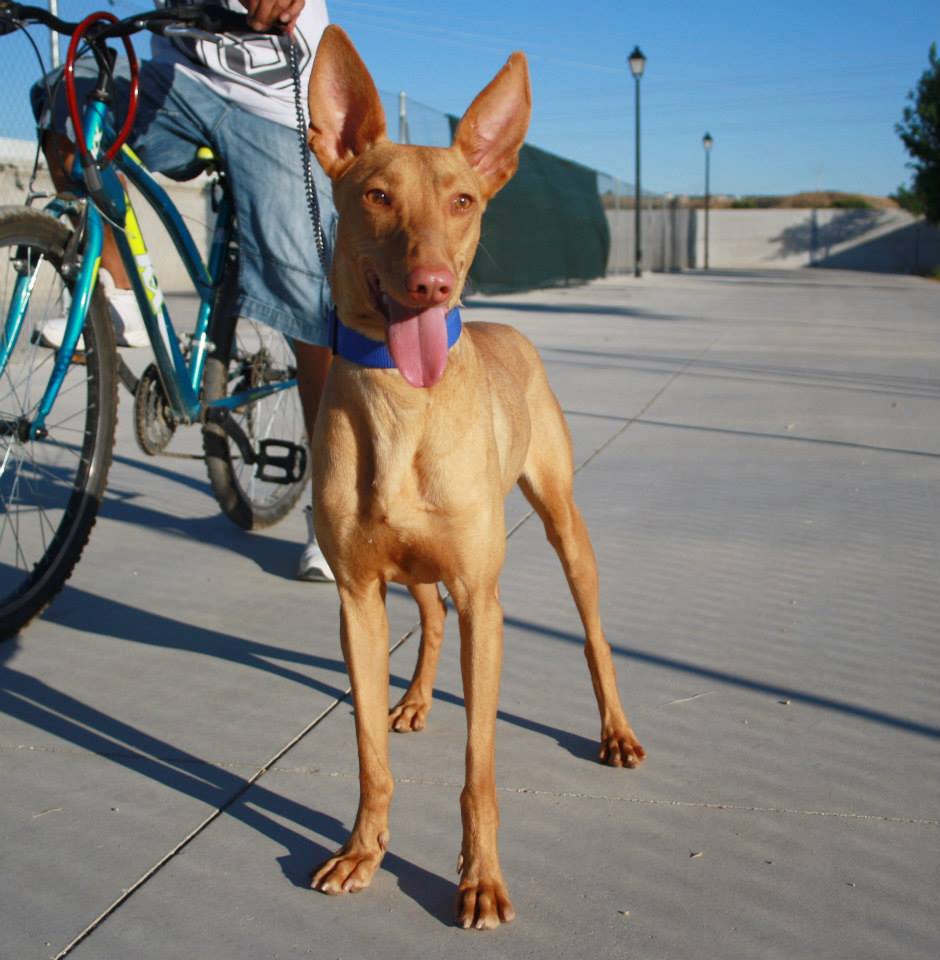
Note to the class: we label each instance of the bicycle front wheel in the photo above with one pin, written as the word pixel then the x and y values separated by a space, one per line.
pixel 50 486
pixel 248 355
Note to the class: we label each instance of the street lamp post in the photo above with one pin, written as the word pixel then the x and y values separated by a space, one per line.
pixel 637 64
pixel 707 142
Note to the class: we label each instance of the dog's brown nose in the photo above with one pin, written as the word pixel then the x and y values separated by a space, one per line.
pixel 430 285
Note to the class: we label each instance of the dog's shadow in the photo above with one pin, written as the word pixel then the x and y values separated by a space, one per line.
pixel 434 894
pixel 581 748
pixel 258 805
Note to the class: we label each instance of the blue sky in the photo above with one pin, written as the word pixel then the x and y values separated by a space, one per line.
pixel 797 95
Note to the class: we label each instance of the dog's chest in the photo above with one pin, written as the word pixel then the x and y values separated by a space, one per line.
pixel 405 478
pixel 415 478
pixel 426 481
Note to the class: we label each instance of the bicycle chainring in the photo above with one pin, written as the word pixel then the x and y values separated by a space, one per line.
pixel 154 421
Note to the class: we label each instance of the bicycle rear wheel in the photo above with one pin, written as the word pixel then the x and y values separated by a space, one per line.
pixel 50 488
pixel 249 354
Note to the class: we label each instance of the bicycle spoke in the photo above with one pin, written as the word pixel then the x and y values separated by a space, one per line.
pixel 14 526
pixel 260 357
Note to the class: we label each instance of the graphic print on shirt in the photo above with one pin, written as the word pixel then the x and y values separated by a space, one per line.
pixel 259 60
pixel 250 70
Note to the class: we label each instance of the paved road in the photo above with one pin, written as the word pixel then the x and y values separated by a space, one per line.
pixel 760 470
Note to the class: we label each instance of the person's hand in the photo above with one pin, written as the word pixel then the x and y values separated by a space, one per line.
pixel 264 14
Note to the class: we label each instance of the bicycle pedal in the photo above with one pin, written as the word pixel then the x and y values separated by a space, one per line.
pixel 289 466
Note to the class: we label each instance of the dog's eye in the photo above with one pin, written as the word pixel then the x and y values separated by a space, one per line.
pixel 378 197
pixel 462 202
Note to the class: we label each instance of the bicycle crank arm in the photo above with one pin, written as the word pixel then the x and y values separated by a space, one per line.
pixel 288 466
pixel 127 376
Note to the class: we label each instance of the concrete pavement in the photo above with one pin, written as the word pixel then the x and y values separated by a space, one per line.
pixel 760 472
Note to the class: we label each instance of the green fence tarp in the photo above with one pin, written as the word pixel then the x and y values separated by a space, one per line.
pixel 545 228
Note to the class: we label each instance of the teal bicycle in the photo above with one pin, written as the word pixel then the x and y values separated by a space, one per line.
pixel 234 379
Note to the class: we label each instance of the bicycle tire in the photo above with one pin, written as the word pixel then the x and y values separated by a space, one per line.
pixel 50 488
pixel 248 353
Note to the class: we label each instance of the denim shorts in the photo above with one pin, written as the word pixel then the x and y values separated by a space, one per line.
pixel 281 282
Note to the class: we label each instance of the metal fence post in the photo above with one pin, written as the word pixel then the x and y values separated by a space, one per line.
pixel 403 134
pixel 54 54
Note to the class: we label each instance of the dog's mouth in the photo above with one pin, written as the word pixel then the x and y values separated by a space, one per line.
pixel 416 336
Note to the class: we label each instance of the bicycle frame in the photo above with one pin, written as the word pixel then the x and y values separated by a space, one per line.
pixel 107 199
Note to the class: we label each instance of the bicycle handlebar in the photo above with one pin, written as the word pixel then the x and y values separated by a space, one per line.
pixel 210 18
pixel 98 28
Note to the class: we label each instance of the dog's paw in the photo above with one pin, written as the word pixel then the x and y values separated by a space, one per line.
pixel 349 871
pixel 620 748
pixel 483 905
pixel 408 716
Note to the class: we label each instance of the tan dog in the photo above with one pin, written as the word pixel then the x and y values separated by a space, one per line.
pixel 411 466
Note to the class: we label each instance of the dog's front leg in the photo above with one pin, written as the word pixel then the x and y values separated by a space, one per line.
pixel 364 635
pixel 482 900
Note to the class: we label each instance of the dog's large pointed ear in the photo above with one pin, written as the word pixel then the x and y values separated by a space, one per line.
pixel 346 114
pixel 493 129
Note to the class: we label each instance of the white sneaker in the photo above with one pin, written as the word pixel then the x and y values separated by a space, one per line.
pixel 52 333
pixel 129 329
pixel 313 565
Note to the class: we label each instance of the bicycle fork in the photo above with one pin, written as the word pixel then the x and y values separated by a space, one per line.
pixel 86 276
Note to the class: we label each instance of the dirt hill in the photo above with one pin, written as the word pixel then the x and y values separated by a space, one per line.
pixel 811 200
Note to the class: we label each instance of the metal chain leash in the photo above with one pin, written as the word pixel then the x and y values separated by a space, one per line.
pixel 310 190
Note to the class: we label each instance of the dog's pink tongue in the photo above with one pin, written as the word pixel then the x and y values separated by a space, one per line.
pixel 418 343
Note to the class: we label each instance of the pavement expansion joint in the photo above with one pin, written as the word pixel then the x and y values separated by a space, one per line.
pixel 606 798
pixel 636 418
pixel 731 807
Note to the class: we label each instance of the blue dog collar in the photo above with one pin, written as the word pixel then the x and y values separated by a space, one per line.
pixel 353 346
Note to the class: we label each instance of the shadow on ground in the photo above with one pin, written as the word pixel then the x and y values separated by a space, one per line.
pixel 285 822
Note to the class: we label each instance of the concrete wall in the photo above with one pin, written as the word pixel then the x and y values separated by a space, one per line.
pixel 887 241
pixel 191 198
pixel 673 238
pixel 667 237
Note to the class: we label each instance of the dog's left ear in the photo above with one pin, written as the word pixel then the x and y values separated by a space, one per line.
pixel 493 129
pixel 346 114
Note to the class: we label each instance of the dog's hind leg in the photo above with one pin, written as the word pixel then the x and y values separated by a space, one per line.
pixel 410 713
pixel 547 482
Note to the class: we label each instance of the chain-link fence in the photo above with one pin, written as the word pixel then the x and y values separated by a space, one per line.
pixel 667 228
pixel 17 128
pixel 26 55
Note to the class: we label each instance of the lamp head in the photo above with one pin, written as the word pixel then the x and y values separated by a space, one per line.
pixel 637 62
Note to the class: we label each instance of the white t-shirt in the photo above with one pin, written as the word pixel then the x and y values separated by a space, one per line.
pixel 250 69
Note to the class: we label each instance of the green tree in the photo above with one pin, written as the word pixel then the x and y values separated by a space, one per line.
pixel 920 133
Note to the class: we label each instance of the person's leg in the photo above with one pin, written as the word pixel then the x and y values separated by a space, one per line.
pixel 165 135
pixel 313 365
pixel 59 152
pixel 129 327
pixel 281 281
